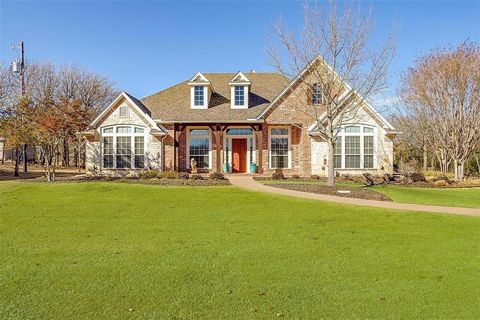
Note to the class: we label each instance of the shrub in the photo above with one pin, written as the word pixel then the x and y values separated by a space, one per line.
pixel 418 177
pixel 217 176
pixel 169 175
pixel 196 177
pixel 295 176
pixel 150 174
pixel 441 183
pixel 183 175
pixel 278 174
pixel 314 176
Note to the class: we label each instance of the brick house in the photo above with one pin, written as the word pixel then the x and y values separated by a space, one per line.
pixel 234 123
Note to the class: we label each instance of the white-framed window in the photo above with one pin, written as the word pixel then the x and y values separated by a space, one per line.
pixel 317 94
pixel 123 147
pixel 239 95
pixel 279 148
pixel 198 96
pixel 199 145
pixel 355 147
pixel 123 111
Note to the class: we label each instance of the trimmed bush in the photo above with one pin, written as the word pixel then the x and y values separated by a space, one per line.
pixel 150 174
pixel 217 176
pixel 168 175
pixel 295 176
pixel 278 174
pixel 183 175
pixel 441 183
pixel 196 177
pixel 314 176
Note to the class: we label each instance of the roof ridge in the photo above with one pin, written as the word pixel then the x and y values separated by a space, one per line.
pixel 211 73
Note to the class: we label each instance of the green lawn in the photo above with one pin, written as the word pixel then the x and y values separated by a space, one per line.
pixel 129 251
pixel 454 197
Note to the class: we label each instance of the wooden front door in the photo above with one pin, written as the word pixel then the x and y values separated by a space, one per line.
pixel 239 155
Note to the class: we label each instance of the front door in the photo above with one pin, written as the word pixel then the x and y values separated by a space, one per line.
pixel 239 155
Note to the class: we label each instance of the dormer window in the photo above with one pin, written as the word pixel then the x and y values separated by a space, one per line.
pixel 199 97
pixel 200 89
pixel 239 95
pixel 239 90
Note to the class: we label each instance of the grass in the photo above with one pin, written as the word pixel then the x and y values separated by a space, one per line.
pixel 129 251
pixel 453 197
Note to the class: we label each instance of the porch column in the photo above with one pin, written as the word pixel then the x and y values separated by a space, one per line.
pixel 218 144
pixel 175 147
pixel 260 149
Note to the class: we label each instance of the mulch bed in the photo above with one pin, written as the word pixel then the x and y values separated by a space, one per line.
pixel 160 182
pixel 358 193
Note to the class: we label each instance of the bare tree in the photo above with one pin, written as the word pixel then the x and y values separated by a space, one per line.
pixel 445 86
pixel 59 103
pixel 332 52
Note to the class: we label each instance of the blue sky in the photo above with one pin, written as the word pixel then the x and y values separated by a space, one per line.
pixel 147 46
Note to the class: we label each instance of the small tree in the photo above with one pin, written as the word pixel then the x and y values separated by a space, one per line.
pixel 331 51
pixel 16 127
pixel 445 87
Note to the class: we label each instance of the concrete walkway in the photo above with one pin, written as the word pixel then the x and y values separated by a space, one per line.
pixel 247 182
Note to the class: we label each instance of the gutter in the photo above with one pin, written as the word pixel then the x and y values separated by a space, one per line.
pixel 209 121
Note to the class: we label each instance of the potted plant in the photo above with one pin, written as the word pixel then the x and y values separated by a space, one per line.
pixel 253 167
pixel 226 167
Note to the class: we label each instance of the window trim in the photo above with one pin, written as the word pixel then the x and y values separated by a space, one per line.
pixel 342 134
pixel 242 96
pixel 132 136
pixel 195 96
pixel 209 136
pixel 289 153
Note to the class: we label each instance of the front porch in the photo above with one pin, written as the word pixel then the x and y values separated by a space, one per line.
pixel 228 148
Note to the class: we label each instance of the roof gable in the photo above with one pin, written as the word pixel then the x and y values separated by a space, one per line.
pixel 198 78
pixel 318 59
pixel 135 104
pixel 239 78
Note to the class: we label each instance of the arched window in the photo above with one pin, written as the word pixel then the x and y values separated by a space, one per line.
pixel 123 147
pixel 355 147
pixel 317 94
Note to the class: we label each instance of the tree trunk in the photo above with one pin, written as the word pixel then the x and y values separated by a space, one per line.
pixel 425 160
pixel 17 155
pixel 458 170
pixel 331 167
pixel 25 158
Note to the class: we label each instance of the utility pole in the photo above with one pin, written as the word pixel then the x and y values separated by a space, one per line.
pixel 22 76
pixel 22 79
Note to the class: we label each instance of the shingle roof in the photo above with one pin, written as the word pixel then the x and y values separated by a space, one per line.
pixel 173 104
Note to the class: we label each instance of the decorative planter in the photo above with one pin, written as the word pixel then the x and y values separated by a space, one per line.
pixel 226 168
pixel 253 167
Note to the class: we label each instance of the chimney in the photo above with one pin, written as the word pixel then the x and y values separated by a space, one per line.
pixel 252 70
